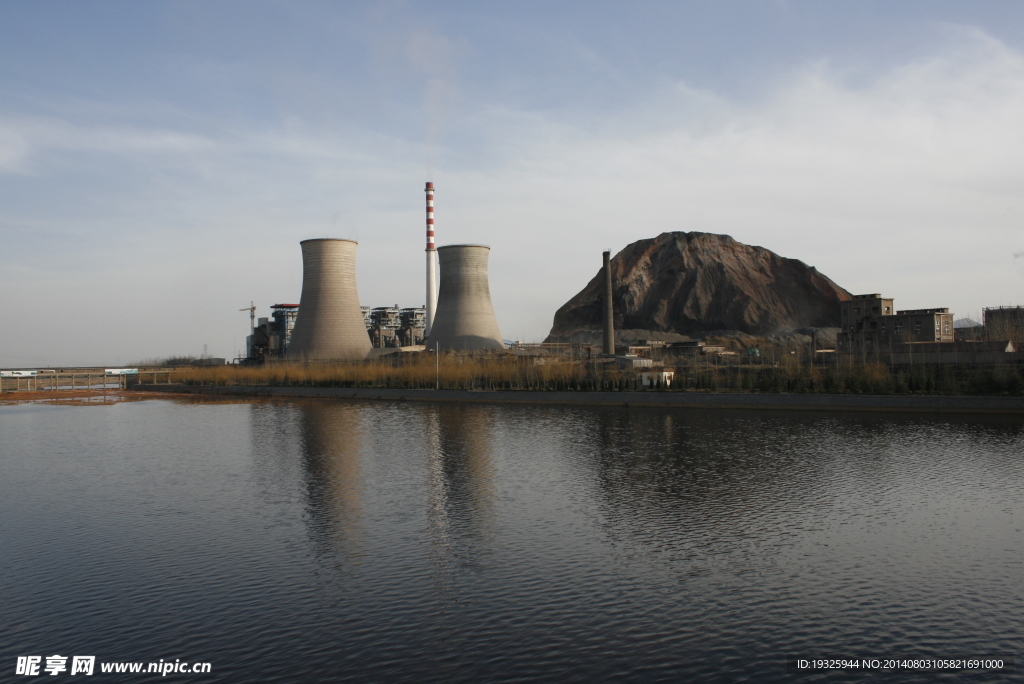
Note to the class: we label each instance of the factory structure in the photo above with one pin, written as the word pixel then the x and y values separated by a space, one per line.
pixel 386 327
pixel 1005 323
pixel 271 336
pixel 465 318
pixel 330 324
pixel 870 323
pixel 391 326
pixel 431 305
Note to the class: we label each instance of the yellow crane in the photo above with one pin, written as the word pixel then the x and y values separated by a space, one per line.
pixel 252 317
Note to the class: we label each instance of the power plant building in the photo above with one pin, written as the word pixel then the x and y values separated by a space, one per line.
pixel 392 326
pixel 330 324
pixel 465 316
pixel 868 323
pixel 271 337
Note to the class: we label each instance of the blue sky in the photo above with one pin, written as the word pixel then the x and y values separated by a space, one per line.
pixel 161 161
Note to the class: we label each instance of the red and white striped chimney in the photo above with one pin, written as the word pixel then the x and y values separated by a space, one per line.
pixel 431 258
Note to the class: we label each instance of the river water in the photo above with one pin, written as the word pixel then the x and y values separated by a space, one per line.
pixel 373 542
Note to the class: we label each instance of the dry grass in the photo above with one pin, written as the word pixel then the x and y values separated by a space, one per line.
pixel 509 372
pixel 411 371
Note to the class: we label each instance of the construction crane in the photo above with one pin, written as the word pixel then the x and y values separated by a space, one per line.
pixel 252 317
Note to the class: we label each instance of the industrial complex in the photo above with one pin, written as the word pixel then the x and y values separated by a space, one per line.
pixel 330 324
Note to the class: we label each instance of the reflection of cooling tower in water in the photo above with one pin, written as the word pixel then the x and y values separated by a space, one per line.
pixel 332 445
pixel 465 318
pixel 329 326
pixel 463 470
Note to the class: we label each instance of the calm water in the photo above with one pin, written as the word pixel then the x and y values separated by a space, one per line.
pixel 321 540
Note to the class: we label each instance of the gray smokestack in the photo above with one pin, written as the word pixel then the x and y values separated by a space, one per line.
pixel 465 318
pixel 609 310
pixel 330 324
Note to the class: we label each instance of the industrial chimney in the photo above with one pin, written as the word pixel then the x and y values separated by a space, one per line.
pixel 609 310
pixel 431 258
pixel 329 326
pixel 465 318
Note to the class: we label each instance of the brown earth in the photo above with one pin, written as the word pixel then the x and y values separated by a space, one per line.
pixel 689 284
pixel 73 397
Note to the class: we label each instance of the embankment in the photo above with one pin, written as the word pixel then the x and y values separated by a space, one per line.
pixel 696 400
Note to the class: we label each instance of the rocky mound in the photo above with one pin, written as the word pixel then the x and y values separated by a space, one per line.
pixel 692 283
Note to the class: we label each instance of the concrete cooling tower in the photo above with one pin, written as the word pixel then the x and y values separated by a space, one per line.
pixel 330 324
pixel 465 318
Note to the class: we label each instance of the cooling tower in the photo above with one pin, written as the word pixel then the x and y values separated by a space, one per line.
pixel 465 318
pixel 330 324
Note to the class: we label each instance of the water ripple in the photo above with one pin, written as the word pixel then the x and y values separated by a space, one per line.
pixel 348 541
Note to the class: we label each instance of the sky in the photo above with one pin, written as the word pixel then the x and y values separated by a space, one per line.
pixel 161 161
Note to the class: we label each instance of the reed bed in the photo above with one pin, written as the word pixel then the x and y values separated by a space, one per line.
pixel 510 372
pixel 406 371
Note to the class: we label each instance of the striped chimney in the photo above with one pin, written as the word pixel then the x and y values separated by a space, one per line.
pixel 431 259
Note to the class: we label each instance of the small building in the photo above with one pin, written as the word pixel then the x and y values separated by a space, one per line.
pixel 657 378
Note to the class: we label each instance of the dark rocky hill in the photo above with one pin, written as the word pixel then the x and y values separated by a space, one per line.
pixel 692 283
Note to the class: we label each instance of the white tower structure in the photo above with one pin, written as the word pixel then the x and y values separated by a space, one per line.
pixel 431 259
pixel 465 317
pixel 329 325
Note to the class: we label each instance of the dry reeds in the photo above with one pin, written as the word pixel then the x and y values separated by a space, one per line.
pixel 407 371
pixel 512 372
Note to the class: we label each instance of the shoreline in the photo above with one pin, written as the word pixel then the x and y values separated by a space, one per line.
pixel 695 400
pixel 82 397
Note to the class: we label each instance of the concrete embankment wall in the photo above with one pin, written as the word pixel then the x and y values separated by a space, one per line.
pixel 710 400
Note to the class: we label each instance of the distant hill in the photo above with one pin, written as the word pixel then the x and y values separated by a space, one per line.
pixel 690 283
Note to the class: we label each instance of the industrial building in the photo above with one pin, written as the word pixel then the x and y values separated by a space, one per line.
pixel 391 326
pixel 271 336
pixel 960 352
pixel 1004 323
pixel 386 326
pixel 330 325
pixel 465 317
pixel 869 323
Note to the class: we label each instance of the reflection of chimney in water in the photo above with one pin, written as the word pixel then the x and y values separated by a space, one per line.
pixel 332 445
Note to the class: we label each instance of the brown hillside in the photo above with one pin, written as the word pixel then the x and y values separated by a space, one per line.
pixel 688 283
